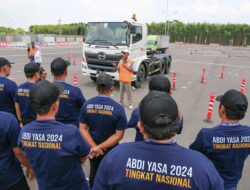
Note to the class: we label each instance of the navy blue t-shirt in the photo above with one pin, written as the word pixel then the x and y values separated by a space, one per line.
pixel 7 94
pixel 149 165
pixel 135 117
pixel 227 146
pixel 54 151
pixel 103 116
pixel 22 98
pixel 11 171
pixel 70 103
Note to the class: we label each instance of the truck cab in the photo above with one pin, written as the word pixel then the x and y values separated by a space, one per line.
pixel 103 44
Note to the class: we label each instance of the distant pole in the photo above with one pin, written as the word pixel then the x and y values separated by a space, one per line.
pixel 166 21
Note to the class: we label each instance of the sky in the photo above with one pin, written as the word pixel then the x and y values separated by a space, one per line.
pixel 23 13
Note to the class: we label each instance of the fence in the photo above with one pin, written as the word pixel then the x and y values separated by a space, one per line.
pixel 20 40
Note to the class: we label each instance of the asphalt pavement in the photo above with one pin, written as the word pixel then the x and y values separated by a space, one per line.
pixel 191 95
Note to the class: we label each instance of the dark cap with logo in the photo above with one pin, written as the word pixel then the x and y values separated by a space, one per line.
pixel 43 94
pixel 58 66
pixel 158 109
pixel 234 101
pixel 31 68
pixel 104 80
pixel 4 62
pixel 160 83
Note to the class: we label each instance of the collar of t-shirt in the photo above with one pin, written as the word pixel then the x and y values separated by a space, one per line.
pixel 2 75
pixel 229 124
pixel 60 81
pixel 172 142
pixel 31 81
pixel 103 96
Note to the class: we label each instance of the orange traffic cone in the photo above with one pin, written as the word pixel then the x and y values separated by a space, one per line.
pixel 75 80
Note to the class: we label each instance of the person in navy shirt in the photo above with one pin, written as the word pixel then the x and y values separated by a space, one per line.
pixel 159 83
pixel 7 87
pixel 71 98
pixel 24 110
pixel 54 150
pixel 158 162
pixel 228 144
pixel 11 175
pixel 102 123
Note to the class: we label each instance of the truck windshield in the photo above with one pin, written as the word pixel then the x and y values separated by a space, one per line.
pixel 151 42
pixel 107 33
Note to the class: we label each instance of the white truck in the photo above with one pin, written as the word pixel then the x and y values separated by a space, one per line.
pixel 104 42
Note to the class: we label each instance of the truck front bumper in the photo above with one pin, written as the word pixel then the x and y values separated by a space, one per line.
pixel 94 73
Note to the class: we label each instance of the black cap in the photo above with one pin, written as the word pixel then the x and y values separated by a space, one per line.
pixel 158 109
pixel 31 68
pixel 104 80
pixel 43 94
pixel 59 65
pixel 160 83
pixel 234 101
pixel 41 69
pixel 4 62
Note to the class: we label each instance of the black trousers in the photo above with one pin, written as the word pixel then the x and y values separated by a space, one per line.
pixel 20 185
pixel 94 164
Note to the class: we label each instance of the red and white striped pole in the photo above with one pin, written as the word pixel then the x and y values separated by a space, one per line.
pixel 222 72
pixel 203 75
pixel 75 80
pixel 174 81
pixel 242 86
pixel 210 108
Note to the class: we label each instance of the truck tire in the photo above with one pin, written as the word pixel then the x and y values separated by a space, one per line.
pixel 140 77
pixel 164 68
pixel 168 66
pixel 93 79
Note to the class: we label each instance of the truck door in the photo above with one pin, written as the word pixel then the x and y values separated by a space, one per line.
pixel 138 47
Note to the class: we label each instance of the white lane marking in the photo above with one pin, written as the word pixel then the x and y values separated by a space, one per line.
pixel 189 82
pixel 184 87
pixel 18 71
pixel 209 63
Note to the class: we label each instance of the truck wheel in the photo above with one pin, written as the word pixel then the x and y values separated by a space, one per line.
pixel 168 67
pixel 163 69
pixel 140 77
pixel 93 79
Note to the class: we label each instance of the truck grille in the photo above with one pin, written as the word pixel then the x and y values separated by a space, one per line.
pixel 101 59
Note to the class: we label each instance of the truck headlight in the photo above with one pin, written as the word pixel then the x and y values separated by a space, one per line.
pixel 84 66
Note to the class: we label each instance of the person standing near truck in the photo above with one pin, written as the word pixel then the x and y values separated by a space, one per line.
pixel 31 52
pixel 7 87
pixel 102 123
pixel 71 98
pixel 125 69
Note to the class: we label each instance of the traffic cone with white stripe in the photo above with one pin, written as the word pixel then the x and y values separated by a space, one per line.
pixel 242 86
pixel 210 108
pixel 75 80
pixel 174 81
pixel 203 75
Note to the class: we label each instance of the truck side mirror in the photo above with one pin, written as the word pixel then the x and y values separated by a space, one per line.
pixel 133 29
